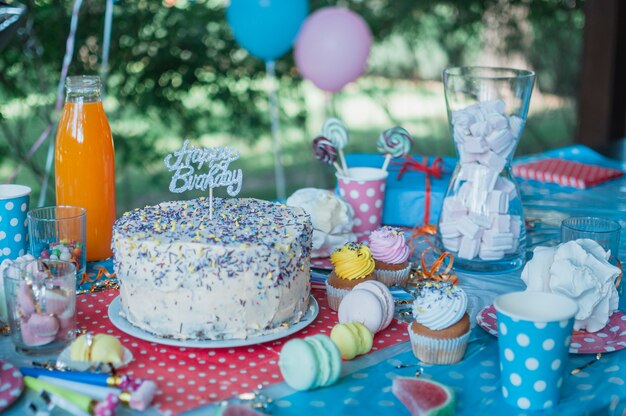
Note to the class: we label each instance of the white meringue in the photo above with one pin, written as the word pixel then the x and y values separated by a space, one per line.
pixel 579 270
pixel 331 216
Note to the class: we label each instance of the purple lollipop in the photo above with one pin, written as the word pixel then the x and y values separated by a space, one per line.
pixel 326 152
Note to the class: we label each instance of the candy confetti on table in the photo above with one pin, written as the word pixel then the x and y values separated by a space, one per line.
pixel 191 377
pixel 394 143
pixel 325 152
pixel 336 132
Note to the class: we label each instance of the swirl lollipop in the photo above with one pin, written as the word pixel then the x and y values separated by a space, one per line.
pixel 394 142
pixel 336 132
pixel 326 152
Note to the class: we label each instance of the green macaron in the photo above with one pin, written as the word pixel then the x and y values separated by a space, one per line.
pixel 310 363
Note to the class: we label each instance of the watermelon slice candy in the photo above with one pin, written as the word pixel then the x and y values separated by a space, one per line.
pixel 423 397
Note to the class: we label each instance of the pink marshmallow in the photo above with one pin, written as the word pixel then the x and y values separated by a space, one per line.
pixel 39 330
pixel 25 301
pixel 56 302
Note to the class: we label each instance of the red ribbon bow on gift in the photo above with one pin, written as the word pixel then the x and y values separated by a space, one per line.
pixel 436 170
pixel 410 164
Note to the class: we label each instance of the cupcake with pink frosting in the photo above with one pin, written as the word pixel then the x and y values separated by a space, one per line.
pixel 391 255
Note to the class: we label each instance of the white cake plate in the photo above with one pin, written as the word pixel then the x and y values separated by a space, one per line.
pixel 115 307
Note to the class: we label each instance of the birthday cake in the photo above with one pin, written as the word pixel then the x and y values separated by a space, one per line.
pixel 240 272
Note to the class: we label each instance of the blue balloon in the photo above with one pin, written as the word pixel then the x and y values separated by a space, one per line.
pixel 266 28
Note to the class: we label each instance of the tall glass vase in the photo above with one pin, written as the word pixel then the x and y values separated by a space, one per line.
pixel 482 221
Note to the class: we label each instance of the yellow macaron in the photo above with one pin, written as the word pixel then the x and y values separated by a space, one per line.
pixel 352 339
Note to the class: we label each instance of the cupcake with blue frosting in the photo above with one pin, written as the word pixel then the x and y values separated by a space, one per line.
pixel 441 327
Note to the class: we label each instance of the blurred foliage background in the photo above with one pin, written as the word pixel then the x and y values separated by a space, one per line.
pixel 176 72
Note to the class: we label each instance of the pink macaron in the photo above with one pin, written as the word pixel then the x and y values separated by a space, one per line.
pixel 384 295
pixel 369 303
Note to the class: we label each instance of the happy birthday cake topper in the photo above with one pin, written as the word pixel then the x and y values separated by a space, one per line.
pixel 187 164
pixel 189 161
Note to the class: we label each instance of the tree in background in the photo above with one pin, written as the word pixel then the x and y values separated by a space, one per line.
pixel 175 70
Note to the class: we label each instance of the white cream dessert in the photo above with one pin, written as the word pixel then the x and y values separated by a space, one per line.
pixel 331 216
pixel 243 273
pixel 581 271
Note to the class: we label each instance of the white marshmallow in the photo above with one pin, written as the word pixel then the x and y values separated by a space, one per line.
pixel 516 226
pixel 497 241
pixel 493 106
pixel 485 178
pixel 516 125
pixel 476 111
pixel 488 254
pixel 461 134
pixel 497 121
pixel 468 228
pixel 480 129
pixel 448 229
pixel 482 220
pixel 492 160
pixel 462 118
pixel 468 249
pixel 454 204
pixel 499 140
pixel 475 146
pixel 451 244
pixel 467 157
pixel 505 185
pixel 501 223
pixel 497 202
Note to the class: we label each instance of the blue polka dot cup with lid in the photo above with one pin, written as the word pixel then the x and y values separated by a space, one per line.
pixel 534 333
pixel 14 202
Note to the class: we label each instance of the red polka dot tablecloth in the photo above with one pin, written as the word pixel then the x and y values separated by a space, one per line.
pixel 189 377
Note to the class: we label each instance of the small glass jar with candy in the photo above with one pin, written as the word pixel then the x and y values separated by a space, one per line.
pixel 58 233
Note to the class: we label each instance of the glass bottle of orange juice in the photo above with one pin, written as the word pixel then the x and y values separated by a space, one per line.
pixel 84 162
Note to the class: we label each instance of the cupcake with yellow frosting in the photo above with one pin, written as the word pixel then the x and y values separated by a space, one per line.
pixel 353 264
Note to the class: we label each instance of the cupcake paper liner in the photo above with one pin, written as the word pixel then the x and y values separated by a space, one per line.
pixel 392 277
pixel 438 350
pixel 334 296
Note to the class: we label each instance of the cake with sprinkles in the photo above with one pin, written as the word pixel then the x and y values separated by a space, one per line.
pixel 243 272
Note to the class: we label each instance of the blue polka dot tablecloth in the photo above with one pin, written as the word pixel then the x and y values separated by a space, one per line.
pixel 598 389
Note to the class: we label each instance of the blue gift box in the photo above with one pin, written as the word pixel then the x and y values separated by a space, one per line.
pixel 405 198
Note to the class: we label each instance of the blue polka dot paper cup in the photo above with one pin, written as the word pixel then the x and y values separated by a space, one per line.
pixel 534 333
pixel 14 201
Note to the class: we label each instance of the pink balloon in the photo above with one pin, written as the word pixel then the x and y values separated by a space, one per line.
pixel 332 48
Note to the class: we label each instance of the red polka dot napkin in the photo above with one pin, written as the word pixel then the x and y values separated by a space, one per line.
pixel 189 377
pixel 566 172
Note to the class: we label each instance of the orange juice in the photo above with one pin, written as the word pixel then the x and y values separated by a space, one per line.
pixel 85 163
